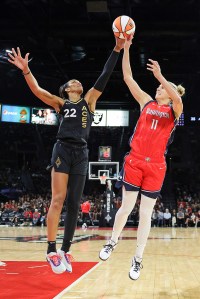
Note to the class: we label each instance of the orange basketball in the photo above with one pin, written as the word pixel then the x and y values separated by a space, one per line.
pixel 123 26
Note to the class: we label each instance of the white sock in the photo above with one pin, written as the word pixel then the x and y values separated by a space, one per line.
pixel 146 209
pixel 128 202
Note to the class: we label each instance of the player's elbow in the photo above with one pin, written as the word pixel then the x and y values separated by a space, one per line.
pixel 39 92
pixel 127 78
pixel 177 100
pixel 36 90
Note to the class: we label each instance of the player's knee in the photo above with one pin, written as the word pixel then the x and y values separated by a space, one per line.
pixel 145 214
pixel 125 210
pixel 57 202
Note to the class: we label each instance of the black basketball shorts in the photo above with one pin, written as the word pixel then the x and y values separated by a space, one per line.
pixel 69 158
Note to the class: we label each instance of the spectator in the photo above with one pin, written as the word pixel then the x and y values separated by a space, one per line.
pixel 28 217
pixel 154 217
pixel 160 218
pixel 167 218
pixel 85 208
pixel 180 218
pixel 191 220
pixel 36 217
pixel 197 218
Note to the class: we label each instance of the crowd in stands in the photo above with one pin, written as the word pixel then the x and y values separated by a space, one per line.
pixel 31 210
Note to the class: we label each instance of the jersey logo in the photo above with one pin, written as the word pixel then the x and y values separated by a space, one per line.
pixel 58 162
pixel 157 113
pixel 70 113
pixel 84 117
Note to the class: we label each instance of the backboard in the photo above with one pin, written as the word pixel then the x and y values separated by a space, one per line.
pixel 97 169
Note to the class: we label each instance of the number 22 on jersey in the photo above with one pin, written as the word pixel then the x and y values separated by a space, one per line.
pixel 70 113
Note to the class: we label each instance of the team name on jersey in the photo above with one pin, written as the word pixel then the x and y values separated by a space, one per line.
pixel 84 117
pixel 157 113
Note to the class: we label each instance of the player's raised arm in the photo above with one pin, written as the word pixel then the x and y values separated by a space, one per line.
pixel 140 96
pixel 45 96
pixel 94 93
pixel 174 92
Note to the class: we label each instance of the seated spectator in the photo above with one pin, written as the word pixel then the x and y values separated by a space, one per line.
pixel 180 218
pixel 160 217
pixel 154 217
pixel 197 219
pixel 36 217
pixel 43 217
pixel 167 218
pixel 191 220
pixel 28 217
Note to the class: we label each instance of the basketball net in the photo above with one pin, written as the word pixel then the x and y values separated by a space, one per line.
pixel 103 179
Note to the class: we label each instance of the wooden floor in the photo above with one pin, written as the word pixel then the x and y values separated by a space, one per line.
pixel 171 262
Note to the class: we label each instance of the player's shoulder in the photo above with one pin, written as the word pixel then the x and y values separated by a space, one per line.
pixel 151 102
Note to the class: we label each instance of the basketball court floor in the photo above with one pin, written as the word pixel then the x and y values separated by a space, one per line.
pixel 171 265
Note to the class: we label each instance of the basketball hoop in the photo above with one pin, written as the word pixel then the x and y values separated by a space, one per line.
pixel 103 179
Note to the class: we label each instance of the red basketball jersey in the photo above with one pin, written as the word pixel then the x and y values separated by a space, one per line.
pixel 153 132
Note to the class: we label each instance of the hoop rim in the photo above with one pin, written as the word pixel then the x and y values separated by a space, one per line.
pixel 103 179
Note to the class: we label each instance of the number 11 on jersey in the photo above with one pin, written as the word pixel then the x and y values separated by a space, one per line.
pixel 154 124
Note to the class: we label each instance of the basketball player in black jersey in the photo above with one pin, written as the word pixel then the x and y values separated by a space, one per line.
pixel 70 154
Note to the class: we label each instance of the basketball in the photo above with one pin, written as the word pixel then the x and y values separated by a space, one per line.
pixel 123 26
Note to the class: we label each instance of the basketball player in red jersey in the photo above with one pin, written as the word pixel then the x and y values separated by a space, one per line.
pixel 69 160
pixel 144 166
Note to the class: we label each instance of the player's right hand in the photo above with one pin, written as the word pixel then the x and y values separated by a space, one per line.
pixel 18 60
pixel 128 41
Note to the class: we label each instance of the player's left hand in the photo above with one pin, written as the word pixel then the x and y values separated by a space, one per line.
pixel 154 67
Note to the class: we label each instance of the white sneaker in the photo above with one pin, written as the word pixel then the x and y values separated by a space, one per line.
pixel 134 272
pixel 106 251
pixel 55 262
pixel 66 259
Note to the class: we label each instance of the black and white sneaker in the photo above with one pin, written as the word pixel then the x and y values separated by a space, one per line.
pixel 134 272
pixel 106 251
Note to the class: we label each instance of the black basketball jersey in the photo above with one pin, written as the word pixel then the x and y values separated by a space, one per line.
pixel 75 122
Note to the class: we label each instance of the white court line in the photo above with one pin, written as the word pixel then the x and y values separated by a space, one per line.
pixel 76 282
pixel 12 273
pixel 90 279
pixel 72 297
pixel 77 291
pixel 2 264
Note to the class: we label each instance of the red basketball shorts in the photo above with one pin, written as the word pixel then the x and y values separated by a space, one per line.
pixel 142 173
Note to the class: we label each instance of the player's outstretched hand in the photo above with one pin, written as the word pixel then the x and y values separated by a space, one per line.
pixel 17 59
pixel 119 44
pixel 154 67
pixel 128 42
